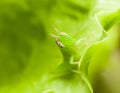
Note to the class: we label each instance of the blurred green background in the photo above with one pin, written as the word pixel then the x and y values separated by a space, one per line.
pixel 27 52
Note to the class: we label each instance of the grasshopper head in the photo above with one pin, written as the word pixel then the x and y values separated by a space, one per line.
pixel 63 40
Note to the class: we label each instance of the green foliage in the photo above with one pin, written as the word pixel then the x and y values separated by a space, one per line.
pixel 29 56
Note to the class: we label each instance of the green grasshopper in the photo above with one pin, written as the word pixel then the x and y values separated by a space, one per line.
pixel 68 46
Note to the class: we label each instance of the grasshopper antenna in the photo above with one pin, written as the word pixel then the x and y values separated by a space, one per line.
pixel 56 30
pixel 54 36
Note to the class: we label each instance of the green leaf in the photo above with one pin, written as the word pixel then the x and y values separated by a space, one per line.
pixel 72 82
pixel 105 24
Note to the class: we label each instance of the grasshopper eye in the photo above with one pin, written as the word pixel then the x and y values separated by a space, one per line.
pixel 59 44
